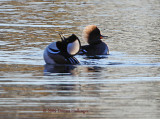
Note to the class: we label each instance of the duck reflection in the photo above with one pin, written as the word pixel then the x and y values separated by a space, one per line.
pixel 67 69
pixel 94 69
pixel 97 57
pixel 60 70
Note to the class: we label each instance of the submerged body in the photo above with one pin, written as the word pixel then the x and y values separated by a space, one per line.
pixel 96 49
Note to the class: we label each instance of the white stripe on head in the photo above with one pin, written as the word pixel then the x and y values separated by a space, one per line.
pixel 73 47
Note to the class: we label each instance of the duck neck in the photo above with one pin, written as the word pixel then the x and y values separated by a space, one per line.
pixel 63 48
pixel 96 42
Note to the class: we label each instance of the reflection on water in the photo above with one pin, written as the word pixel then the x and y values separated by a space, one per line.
pixel 67 69
pixel 124 84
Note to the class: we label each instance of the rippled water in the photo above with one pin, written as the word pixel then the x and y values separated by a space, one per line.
pixel 124 84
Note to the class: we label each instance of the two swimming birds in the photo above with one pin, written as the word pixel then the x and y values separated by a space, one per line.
pixel 63 52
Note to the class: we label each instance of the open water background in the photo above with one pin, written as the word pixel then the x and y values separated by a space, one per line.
pixel 123 85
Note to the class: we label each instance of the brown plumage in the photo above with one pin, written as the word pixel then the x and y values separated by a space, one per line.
pixel 91 34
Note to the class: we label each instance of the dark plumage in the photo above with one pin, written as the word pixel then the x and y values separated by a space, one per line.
pixel 91 34
pixel 62 52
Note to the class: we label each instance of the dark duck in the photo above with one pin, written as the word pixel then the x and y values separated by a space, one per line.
pixel 91 34
pixel 63 52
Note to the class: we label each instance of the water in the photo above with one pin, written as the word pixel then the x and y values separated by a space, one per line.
pixel 124 84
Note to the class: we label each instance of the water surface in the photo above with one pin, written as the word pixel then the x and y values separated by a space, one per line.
pixel 124 84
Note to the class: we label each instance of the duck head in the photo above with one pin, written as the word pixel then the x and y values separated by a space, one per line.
pixel 91 34
pixel 69 46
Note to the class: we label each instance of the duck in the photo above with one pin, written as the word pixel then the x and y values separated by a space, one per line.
pixel 63 52
pixel 92 35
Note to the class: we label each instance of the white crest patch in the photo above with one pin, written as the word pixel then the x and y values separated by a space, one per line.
pixel 73 48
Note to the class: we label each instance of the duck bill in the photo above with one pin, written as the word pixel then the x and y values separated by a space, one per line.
pixel 101 37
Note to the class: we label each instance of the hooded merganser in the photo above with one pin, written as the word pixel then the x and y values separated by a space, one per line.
pixel 96 46
pixel 62 52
